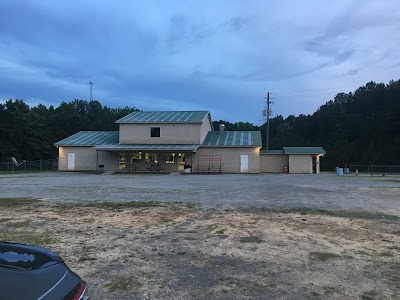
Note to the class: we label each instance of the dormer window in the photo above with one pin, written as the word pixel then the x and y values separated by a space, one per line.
pixel 155 132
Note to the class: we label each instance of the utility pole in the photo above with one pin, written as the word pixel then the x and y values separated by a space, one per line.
pixel 91 94
pixel 267 113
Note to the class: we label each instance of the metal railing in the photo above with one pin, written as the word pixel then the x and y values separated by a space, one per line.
pixel 377 170
pixel 30 166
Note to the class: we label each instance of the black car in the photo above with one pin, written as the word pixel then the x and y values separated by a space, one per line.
pixel 34 273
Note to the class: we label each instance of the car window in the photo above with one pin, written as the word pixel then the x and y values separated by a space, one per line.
pixel 16 258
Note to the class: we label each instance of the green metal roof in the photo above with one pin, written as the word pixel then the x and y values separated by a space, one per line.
pixel 164 117
pixel 148 147
pixel 233 138
pixel 304 150
pixel 272 152
pixel 90 138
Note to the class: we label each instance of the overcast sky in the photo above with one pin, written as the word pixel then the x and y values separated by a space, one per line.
pixel 221 56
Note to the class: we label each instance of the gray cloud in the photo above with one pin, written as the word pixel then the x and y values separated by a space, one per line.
pixel 217 55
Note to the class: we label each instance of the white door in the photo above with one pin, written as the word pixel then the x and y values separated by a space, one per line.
pixel 244 163
pixel 71 161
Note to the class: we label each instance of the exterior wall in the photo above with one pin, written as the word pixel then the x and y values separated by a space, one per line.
pixel 205 128
pixel 109 160
pixel 273 163
pixel 169 134
pixel 300 163
pixel 230 158
pixel 86 159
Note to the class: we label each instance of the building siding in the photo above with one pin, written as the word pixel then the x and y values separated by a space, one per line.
pixel 230 157
pixel 273 163
pixel 205 128
pixel 300 164
pixel 86 159
pixel 169 134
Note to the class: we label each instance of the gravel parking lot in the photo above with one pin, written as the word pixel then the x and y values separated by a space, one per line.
pixel 213 237
pixel 322 191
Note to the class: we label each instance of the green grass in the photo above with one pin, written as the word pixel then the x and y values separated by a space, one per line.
pixel 385 254
pixel 397 248
pixel 366 215
pixel 370 295
pixel 7 202
pixel 20 224
pixel 86 258
pixel 324 256
pixel 4 220
pixel 220 231
pixel 251 239
pixel 123 283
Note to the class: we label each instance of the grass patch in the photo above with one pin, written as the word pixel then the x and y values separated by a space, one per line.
pixel 21 224
pixel 220 231
pixel 31 238
pixel 397 248
pixel 121 284
pixel 4 220
pixel 251 239
pixel 369 295
pixel 366 215
pixel 385 254
pixel 190 205
pixel 130 204
pixel 86 258
pixel 7 202
pixel 324 256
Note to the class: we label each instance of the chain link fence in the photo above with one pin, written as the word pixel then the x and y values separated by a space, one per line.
pixel 30 166
pixel 376 170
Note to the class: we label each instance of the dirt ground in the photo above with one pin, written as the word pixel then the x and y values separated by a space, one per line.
pixel 137 250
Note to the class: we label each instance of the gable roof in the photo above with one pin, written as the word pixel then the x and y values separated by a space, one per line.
pixel 304 150
pixel 164 117
pixel 233 138
pixel 90 138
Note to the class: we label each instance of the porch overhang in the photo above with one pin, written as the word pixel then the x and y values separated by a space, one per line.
pixel 149 147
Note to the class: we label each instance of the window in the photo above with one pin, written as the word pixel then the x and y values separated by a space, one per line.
pixel 155 132
pixel 136 157
pixel 168 158
pixel 152 158
pixel 122 161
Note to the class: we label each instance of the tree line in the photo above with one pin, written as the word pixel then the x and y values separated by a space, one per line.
pixel 360 127
pixel 30 132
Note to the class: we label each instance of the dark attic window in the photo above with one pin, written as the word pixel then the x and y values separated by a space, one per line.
pixel 155 132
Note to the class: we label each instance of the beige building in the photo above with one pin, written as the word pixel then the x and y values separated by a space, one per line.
pixel 174 141
pixel 179 141
pixel 300 160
